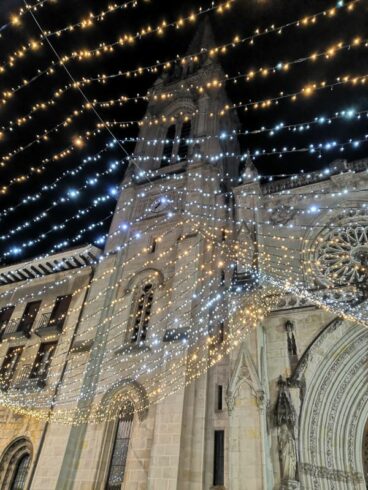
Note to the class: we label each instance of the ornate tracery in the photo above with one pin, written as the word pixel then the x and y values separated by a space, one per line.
pixel 342 255
pixel 339 253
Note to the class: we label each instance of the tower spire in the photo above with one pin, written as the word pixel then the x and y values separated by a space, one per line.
pixel 250 172
pixel 204 39
pixel 202 42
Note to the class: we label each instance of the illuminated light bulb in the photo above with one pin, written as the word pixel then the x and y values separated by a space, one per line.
pixel 78 142
pixel 15 20
pixel 308 90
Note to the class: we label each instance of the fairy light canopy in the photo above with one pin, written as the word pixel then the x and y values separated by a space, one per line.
pixel 311 30
pixel 202 158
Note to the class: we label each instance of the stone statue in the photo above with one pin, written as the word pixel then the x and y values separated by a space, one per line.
pixel 284 420
pixel 287 451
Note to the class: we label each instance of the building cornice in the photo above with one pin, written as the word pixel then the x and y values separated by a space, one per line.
pixel 302 180
pixel 52 264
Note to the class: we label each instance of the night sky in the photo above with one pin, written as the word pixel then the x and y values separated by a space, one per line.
pixel 244 17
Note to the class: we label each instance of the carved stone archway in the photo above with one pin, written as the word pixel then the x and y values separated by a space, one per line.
pixel 334 409
pixel 126 391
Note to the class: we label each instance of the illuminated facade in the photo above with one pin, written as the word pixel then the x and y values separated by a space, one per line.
pixel 286 408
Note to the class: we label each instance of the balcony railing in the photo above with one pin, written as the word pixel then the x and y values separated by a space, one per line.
pixel 15 327
pixel 48 325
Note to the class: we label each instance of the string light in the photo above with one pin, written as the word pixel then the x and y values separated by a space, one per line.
pixel 262 104
pixel 65 198
pixel 166 65
pixel 345 114
pixel 199 305
pixel 15 18
pixel 102 50
pixel 124 39
pixel 44 135
pixel 104 386
pixel 165 188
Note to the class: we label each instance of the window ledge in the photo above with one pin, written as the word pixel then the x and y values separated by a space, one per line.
pixel 175 334
pixel 132 349
pixel 15 335
pixel 30 384
pixel 82 345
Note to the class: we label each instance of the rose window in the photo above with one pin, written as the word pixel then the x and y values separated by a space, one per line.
pixel 342 254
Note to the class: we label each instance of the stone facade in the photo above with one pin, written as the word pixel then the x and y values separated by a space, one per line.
pixel 289 403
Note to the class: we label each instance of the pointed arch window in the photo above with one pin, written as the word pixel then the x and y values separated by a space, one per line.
pixel 176 148
pixel 20 473
pixel 183 143
pixel 168 146
pixel 142 313
pixel 15 464
pixel 120 451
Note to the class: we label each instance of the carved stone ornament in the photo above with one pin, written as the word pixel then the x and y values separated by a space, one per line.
pixel 284 413
pixel 281 214
pixel 158 205
pixel 290 485
pixel 289 301
pixel 245 371
pixel 331 474
pixel 340 254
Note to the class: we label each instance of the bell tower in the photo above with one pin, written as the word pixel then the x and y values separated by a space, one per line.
pixel 183 122
pixel 187 124
pixel 159 291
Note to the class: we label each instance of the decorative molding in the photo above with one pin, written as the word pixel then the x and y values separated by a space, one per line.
pixel 307 356
pixel 155 276
pixel 331 474
pixel 291 302
pixel 126 389
pixel 315 177
pixel 245 371
pixel 281 214
pixel 290 485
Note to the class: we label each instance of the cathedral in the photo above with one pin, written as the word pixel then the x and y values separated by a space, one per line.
pixel 284 404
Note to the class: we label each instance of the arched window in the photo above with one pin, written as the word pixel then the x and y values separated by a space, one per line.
pixel 120 450
pixel 20 473
pixel 15 464
pixel 168 146
pixel 183 143
pixel 142 313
